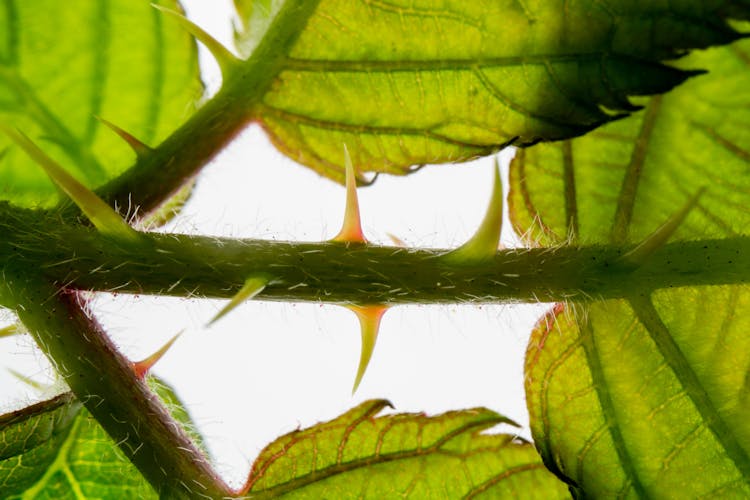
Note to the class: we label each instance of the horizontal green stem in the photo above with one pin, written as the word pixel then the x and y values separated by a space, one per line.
pixel 181 265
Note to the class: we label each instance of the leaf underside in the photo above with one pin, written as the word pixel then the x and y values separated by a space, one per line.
pixel 55 449
pixel 404 83
pixel 363 455
pixel 63 64
pixel 646 396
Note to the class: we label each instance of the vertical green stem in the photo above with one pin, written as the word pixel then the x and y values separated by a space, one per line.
pixel 76 344
pixel 162 172
pixel 106 383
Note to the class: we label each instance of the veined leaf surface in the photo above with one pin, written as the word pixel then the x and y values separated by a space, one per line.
pixel 55 449
pixel 404 83
pixel 362 455
pixel 696 136
pixel 646 396
pixel 63 64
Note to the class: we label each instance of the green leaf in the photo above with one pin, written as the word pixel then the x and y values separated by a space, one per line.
pixel 62 65
pixel 404 83
pixel 625 403
pixel 634 174
pixel 646 396
pixel 170 208
pixel 361 455
pixel 55 449
pixel 178 411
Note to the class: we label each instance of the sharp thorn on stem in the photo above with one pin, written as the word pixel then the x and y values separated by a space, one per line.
pixel 140 148
pixel 659 238
pixel 106 220
pixel 226 60
pixel 10 330
pixel 141 368
pixel 351 229
pixel 369 322
pixel 486 240
pixel 252 287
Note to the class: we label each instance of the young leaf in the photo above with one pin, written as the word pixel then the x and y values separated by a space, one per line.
pixel 631 397
pixel 116 59
pixel 404 83
pixel 55 449
pixel 362 455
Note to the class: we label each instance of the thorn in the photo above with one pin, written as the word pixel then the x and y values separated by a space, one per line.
pixel 101 215
pixel 486 240
pixel 227 61
pixel 140 148
pixel 659 238
pixel 141 368
pixel 351 229
pixel 252 287
pixel 369 323
pixel 29 381
pixel 10 330
pixel 396 240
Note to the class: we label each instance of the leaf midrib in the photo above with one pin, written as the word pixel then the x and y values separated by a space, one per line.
pixel 687 377
pixel 59 464
pixel 293 117
pixel 466 64
pixel 607 405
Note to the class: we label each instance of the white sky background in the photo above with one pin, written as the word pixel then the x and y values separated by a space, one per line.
pixel 268 368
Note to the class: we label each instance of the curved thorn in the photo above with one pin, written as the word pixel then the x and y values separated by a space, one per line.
pixel 659 238
pixel 141 368
pixel 101 215
pixel 369 322
pixel 135 144
pixel 486 240
pixel 227 61
pixel 252 287
pixel 351 229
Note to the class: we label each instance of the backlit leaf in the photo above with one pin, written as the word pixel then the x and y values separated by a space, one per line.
pixel 646 396
pixel 404 82
pixel 362 455
pixel 63 64
pixel 56 450
pixel 619 416
pixel 696 136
